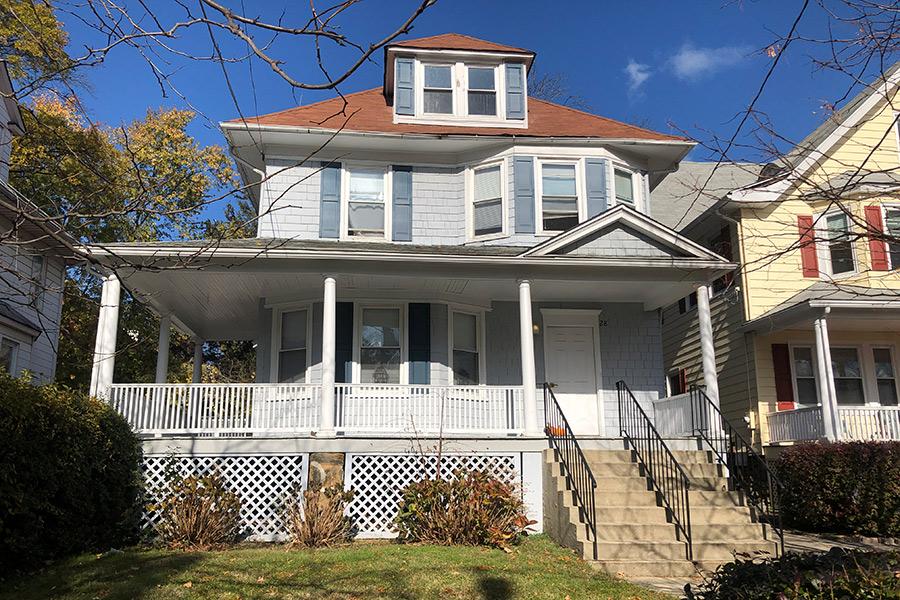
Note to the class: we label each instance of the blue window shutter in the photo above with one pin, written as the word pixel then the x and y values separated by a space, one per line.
pixel 404 86
pixel 401 216
pixel 330 196
pixel 419 343
pixel 515 91
pixel 523 175
pixel 595 175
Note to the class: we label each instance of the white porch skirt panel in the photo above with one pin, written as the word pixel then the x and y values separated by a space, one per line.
pixel 263 482
pixel 377 479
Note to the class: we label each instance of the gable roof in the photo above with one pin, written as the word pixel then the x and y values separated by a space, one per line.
pixel 458 41
pixel 369 112
pixel 623 215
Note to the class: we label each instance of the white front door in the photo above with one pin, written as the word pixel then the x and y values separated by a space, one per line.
pixel 571 365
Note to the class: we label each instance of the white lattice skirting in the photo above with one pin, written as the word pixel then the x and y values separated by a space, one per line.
pixel 376 481
pixel 262 481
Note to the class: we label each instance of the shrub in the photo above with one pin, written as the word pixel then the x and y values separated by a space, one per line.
pixel 69 474
pixel 842 488
pixel 836 574
pixel 473 508
pixel 197 512
pixel 315 517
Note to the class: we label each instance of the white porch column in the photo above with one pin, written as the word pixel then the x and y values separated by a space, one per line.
pixel 826 389
pixel 162 354
pixel 326 419
pixel 529 383
pixel 198 361
pixel 105 342
pixel 707 345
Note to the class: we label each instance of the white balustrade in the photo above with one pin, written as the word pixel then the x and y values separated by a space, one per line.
pixel 406 409
pixel 863 423
pixel 796 425
pixel 217 408
pixel 672 416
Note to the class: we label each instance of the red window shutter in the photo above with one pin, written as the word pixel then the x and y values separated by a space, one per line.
pixel 784 386
pixel 877 249
pixel 808 246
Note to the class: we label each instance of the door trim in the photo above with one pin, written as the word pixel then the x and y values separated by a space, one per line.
pixel 565 317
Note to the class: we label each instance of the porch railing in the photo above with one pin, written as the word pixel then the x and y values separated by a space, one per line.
pixel 429 408
pixel 672 416
pixel 579 477
pixel 172 408
pixel 796 425
pixel 671 483
pixel 879 423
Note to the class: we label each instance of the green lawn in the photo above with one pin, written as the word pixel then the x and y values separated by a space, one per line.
pixel 536 569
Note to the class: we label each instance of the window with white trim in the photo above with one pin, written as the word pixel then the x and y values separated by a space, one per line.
pixel 885 376
pixel 804 375
pixel 466 358
pixel 892 229
pixel 367 190
pixel 487 200
pixel 482 91
pixel 848 376
pixel 380 350
pixel 559 196
pixel 624 186
pixel 292 346
pixel 438 89
pixel 838 244
pixel 9 352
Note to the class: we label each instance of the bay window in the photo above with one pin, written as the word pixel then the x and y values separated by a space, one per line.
pixel 465 349
pixel 365 202
pixel 482 92
pixel 805 376
pixel 839 247
pixel 559 196
pixel 292 348
pixel 848 377
pixel 624 185
pixel 379 345
pixel 487 200
pixel 438 89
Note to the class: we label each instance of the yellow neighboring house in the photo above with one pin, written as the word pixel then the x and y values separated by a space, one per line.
pixel 807 334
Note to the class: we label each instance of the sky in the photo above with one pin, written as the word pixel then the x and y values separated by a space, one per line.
pixel 685 67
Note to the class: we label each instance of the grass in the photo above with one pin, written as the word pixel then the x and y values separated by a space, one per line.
pixel 536 569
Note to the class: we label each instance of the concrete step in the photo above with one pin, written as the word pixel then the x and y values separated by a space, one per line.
pixel 613 484
pixel 630 514
pixel 642 550
pixel 646 568
pixel 710 498
pixel 608 456
pixel 629 532
pixel 624 498
pixel 615 469
pixel 720 515
pixel 744 532
pixel 724 551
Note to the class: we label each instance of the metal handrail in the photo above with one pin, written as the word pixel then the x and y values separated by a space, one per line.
pixel 671 483
pixel 747 469
pixel 575 466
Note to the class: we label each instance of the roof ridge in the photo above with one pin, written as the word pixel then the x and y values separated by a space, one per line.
pixel 608 119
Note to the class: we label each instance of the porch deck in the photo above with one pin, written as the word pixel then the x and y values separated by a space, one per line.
pixel 855 423
pixel 259 409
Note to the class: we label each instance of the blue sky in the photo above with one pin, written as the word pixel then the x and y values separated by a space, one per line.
pixel 668 65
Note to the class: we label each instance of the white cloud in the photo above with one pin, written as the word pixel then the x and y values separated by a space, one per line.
pixel 691 62
pixel 638 74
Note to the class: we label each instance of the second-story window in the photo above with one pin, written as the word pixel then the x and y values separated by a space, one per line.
pixel 438 89
pixel 487 201
pixel 892 229
pixel 559 196
pixel 839 247
pixel 365 203
pixel 482 93
pixel 624 187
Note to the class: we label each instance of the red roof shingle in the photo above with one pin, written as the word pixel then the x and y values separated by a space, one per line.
pixel 457 41
pixel 369 111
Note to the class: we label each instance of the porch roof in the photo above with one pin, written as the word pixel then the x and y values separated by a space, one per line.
pixel 857 307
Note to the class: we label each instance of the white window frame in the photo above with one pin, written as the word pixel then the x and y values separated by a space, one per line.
pixel 635 188
pixel 823 249
pixel 276 339
pixel 358 309
pixel 420 89
pixel 17 347
pixel 887 246
pixel 893 355
pixel 480 341
pixel 815 367
pixel 470 200
pixel 497 89
pixel 346 169
pixel 580 200
pixel 866 370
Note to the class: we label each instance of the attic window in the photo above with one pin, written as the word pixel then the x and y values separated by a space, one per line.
pixel 438 89
pixel 624 187
pixel 482 91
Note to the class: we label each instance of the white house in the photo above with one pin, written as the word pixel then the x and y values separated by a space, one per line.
pixel 430 252
pixel 32 270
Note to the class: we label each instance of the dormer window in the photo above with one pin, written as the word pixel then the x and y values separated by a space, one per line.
pixel 482 91
pixel 438 89
pixel 624 187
